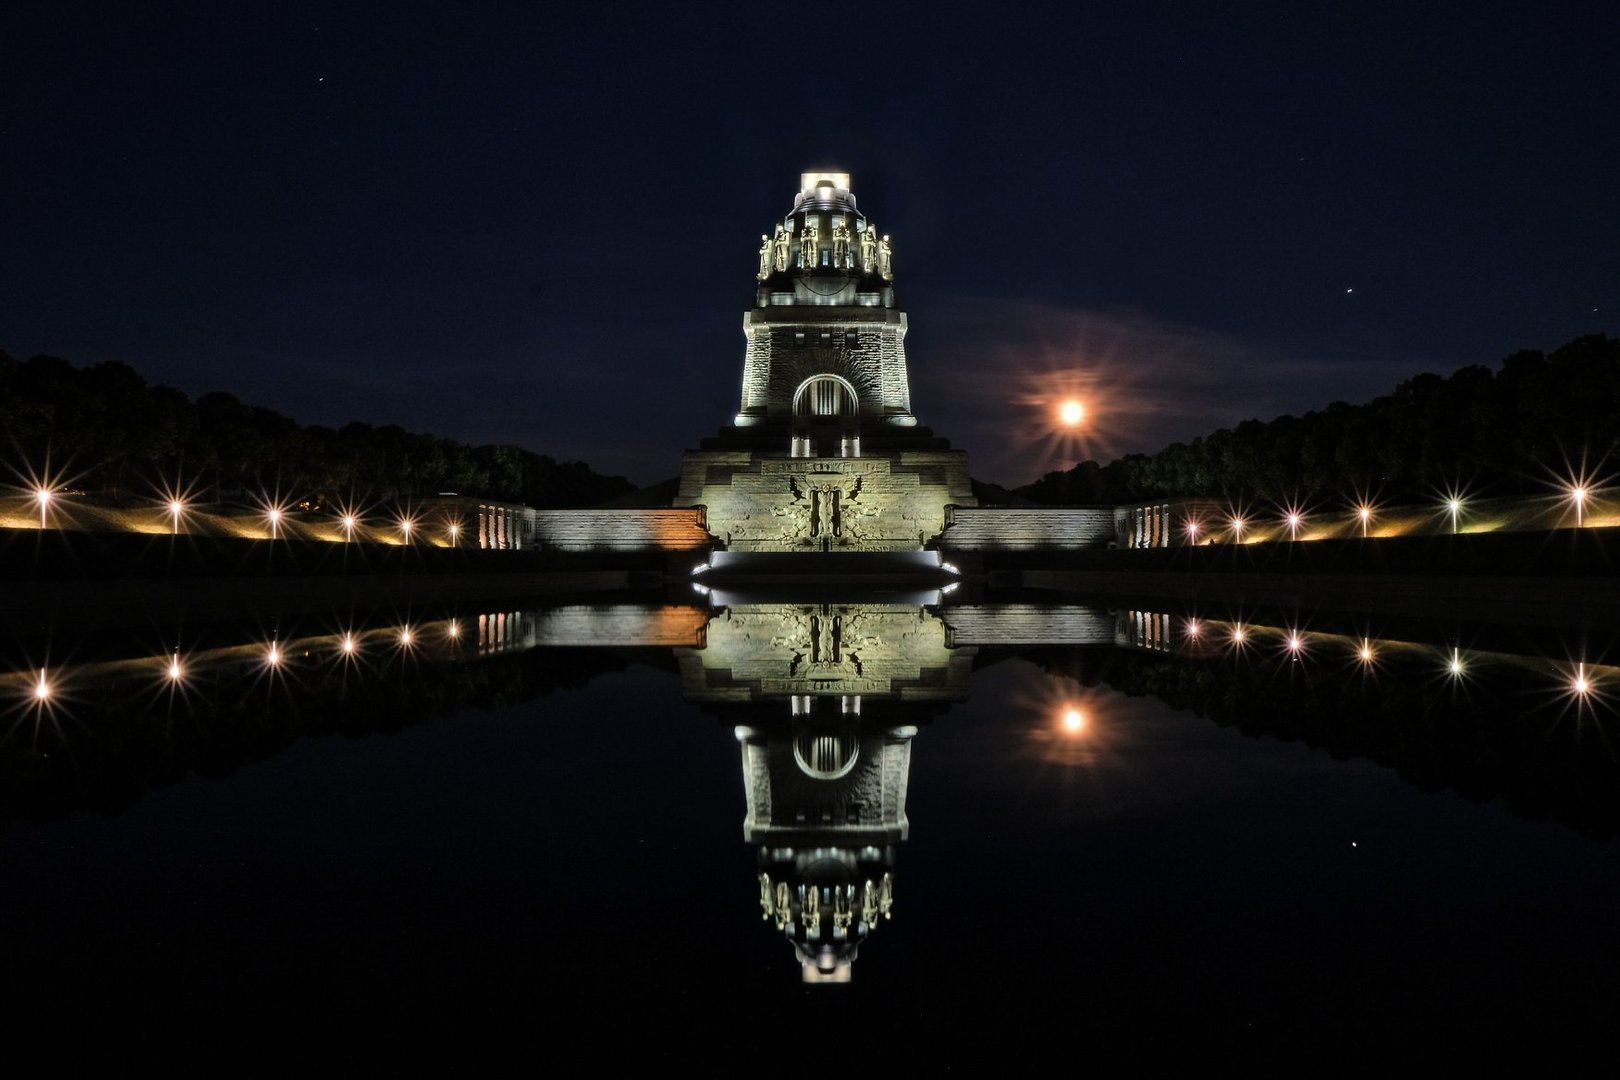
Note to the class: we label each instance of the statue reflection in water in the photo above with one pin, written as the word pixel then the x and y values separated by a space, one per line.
pixel 824 700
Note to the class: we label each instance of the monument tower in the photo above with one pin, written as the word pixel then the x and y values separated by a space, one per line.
pixel 825 454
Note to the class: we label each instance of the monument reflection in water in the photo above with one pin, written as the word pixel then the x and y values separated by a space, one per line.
pixel 825 699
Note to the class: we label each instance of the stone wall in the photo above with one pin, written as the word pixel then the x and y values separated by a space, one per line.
pixel 620 530
pixel 1007 528
pixel 1028 624
pixel 865 346
pixel 867 806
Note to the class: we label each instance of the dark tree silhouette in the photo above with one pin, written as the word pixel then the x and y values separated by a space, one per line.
pixel 116 435
pixel 1501 433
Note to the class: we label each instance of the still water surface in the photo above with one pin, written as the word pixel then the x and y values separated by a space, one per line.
pixel 543 838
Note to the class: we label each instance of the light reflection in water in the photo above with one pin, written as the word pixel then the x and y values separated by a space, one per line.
pixel 1583 681
pixel 1578 680
pixel 834 855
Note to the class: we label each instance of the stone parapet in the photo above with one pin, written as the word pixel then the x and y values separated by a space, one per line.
pixel 1044 528
pixel 621 530
pixel 1027 624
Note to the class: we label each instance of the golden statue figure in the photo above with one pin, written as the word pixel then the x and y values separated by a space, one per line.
pixel 767 896
pixel 868 251
pixel 840 244
pixel 781 242
pixel 810 244
pixel 767 256
pixel 783 910
pixel 885 258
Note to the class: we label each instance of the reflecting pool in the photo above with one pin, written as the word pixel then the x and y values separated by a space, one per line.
pixel 735 830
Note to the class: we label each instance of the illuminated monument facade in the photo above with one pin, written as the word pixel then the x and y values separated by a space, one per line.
pixel 825 454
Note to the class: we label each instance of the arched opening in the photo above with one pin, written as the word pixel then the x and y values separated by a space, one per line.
pixel 826 408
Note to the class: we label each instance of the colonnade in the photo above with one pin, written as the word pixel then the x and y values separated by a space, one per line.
pixel 504 631
pixel 1143 630
pixel 1146 526
pixel 500 527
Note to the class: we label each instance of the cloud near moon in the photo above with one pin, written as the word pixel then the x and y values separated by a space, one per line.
pixel 992 375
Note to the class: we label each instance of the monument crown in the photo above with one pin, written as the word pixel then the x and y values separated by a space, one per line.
pixel 826 188
pixel 846 357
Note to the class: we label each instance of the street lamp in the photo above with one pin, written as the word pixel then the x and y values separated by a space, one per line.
pixel 1578 494
pixel 1364 512
pixel 44 497
pixel 1455 505
pixel 176 508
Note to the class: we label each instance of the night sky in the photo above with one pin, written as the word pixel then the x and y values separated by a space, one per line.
pixel 537 223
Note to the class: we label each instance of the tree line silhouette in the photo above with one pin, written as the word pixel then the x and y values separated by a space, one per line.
pixel 105 429
pixel 1496 433
pixel 1502 433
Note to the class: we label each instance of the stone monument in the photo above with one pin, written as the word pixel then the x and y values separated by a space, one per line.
pixel 825 454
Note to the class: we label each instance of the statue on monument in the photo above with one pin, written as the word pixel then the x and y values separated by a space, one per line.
pixel 840 244
pixel 781 243
pixel 783 899
pixel 810 244
pixel 868 251
pixel 767 256
pixel 826 503
pixel 885 258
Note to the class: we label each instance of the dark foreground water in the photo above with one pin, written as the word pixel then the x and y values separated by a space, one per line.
pixel 1057 831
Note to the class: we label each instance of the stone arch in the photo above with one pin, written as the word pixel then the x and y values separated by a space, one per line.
pixel 822 403
pixel 826 755
pixel 828 395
